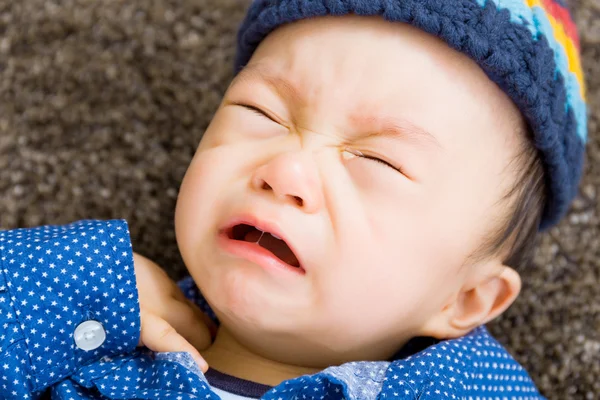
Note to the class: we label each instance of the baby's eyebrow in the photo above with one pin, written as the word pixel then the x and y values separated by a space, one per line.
pixel 284 87
pixel 396 128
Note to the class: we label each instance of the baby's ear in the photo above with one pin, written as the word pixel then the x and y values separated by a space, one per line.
pixel 478 303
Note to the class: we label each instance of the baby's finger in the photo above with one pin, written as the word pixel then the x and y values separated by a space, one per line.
pixel 212 327
pixel 189 322
pixel 159 336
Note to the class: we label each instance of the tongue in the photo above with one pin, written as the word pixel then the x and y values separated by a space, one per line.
pixel 275 246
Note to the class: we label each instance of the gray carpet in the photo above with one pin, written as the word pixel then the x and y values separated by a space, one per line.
pixel 103 102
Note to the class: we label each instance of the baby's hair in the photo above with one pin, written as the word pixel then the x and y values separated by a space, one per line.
pixel 516 236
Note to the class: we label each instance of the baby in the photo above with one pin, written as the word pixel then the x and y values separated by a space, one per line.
pixel 357 210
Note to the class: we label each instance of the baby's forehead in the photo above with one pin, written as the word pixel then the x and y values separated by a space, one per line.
pixel 381 100
pixel 359 56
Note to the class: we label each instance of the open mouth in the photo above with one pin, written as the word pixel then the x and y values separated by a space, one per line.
pixel 273 244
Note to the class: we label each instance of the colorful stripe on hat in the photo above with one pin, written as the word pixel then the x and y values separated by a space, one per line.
pixel 552 20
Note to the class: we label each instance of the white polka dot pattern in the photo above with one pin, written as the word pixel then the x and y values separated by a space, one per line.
pixel 53 278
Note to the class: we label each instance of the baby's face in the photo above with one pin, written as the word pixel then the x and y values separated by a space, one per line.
pixel 379 155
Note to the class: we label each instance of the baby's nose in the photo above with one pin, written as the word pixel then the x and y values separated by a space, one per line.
pixel 291 177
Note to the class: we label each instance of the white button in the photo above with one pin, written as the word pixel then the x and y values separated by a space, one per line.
pixel 89 335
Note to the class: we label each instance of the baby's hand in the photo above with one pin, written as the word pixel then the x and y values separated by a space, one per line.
pixel 169 321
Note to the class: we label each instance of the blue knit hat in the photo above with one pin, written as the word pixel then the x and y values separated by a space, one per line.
pixel 530 48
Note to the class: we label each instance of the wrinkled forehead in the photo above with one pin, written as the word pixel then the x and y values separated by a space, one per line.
pixel 352 65
pixel 353 53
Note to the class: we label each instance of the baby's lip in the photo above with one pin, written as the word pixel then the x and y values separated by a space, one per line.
pixel 264 225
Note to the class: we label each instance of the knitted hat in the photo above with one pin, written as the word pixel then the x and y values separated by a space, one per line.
pixel 530 48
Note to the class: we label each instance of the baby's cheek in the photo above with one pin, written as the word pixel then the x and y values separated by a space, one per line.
pixel 374 300
pixel 204 182
pixel 210 168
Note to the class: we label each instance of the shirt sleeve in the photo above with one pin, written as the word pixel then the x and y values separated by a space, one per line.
pixel 68 297
pixel 141 375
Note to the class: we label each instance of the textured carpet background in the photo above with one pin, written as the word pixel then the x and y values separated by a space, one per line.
pixel 103 102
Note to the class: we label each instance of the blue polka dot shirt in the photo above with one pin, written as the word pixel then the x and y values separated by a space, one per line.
pixel 70 323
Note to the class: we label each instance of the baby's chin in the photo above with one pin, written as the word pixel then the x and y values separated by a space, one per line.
pixel 244 292
pixel 294 322
pixel 311 341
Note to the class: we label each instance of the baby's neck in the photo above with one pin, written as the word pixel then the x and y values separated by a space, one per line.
pixel 229 357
